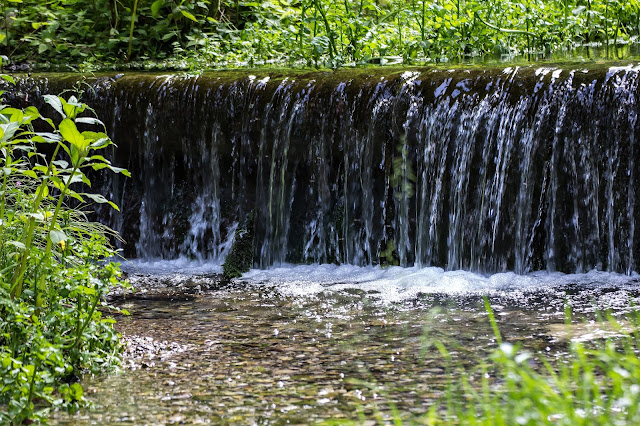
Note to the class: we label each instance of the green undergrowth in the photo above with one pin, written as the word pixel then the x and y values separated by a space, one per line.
pixel 205 34
pixel 593 380
pixel 54 271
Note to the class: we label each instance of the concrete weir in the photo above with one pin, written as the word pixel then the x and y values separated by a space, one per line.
pixel 484 169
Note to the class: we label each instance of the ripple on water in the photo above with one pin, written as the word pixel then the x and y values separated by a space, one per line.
pixel 305 344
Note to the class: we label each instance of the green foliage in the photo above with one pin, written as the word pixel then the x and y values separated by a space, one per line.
pixel 595 382
pixel 53 274
pixel 209 33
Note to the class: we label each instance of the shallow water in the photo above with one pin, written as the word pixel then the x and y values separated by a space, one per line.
pixel 322 343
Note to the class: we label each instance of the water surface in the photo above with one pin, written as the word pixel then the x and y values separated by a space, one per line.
pixel 323 344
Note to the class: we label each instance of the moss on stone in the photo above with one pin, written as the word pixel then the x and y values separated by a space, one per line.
pixel 240 258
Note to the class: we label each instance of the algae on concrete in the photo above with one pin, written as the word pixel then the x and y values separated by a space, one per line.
pixel 240 258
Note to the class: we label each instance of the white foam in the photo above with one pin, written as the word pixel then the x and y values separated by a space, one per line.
pixel 391 284
pixel 394 283
pixel 175 266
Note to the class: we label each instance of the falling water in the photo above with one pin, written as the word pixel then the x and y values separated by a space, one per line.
pixel 519 168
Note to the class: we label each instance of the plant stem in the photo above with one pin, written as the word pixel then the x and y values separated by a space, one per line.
pixel 36 367
pixel 566 18
pixel 133 23
pixel 332 47
pixel 16 288
pixel 80 330
pixel 606 27
pixel 6 27
pixel 58 206
pixel 2 206
pixel 504 30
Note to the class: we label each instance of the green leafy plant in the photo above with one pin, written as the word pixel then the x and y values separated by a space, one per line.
pixel 596 382
pixel 54 262
pixel 210 33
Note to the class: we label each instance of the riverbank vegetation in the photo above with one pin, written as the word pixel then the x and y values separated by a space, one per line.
pixel 595 380
pixel 98 34
pixel 588 375
pixel 53 273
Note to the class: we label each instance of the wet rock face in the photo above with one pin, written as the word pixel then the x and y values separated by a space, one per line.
pixel 240 258
pixel 485 169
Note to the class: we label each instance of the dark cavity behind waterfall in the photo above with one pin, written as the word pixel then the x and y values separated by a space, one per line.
pixel 522 168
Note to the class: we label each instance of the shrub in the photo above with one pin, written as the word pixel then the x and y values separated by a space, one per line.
pixel 54 268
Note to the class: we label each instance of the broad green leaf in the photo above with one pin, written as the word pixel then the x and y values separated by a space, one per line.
pixel 89 120
pixel 70 132
pixel 155 7
pixel 50 122
pixel 31 113
pixel 43 137
pixel 74 153
pixel 188 15
pixel 168 35
pixel 57 236
pixel 26 148
pixel 17 244
pixel 93 136
pixel 10 111
pixel 99 158
pixel 101 143
pixel 76 389
pixel 40 168
pixel 56 103
pixel 75 195
pixel 101 200
pixel 36 216
pixel 77 177
pixel 85 290
pixel 71 108
pixel 55 181
pixel 100 166
pixel 61 163
pixel 8 130
pixel 97 198
pixel 18 117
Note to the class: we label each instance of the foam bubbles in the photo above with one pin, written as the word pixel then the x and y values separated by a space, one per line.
pixel 396 284
pixel 181 265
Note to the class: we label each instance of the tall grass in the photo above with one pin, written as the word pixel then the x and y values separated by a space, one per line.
pixel 594 382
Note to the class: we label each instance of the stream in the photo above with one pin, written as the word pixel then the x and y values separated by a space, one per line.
pixel 325 344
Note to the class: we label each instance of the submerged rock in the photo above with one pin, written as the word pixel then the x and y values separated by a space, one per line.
pixel 240 259
pixel 169 286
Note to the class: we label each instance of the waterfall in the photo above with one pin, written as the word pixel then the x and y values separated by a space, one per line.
pixel 484 169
